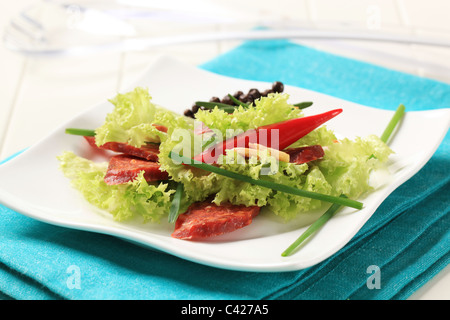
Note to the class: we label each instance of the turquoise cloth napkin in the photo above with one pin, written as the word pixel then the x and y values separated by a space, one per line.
pixel 407 238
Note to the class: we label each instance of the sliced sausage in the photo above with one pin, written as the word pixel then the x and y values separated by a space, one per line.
pixel 304 154
pixel 160 127
pixel 124 168
pixel 148 151
pixel 205 219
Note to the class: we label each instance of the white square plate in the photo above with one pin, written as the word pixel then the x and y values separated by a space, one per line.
pixel 32 184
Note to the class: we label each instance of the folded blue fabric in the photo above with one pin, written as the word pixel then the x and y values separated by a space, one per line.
pixel 407 238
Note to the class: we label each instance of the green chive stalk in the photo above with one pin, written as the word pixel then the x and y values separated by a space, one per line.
pixel 269 184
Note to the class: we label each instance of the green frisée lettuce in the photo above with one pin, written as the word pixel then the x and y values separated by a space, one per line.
pixel 132 120
pixel 347 164
pixel 267 110
pixel 133 199
pixel 321 136
pixel 345 168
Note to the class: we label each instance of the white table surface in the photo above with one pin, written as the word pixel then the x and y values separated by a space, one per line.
pixel 37 94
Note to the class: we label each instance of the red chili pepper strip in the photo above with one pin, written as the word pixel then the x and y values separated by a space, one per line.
pixel 289 131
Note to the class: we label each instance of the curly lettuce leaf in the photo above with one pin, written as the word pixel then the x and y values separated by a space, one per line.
pixel 266 110
pixel 132 119
pixel 289 206
pixel 135 198
pixel 347 164
pixel 321 136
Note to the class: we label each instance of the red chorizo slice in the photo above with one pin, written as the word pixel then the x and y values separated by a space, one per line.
pixel 124 168
pixel 204 219
pixel 91 141
pixel 304 154
pixel 160 127
pixel 148 151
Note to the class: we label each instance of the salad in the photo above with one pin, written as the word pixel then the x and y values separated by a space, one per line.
pixel 212 169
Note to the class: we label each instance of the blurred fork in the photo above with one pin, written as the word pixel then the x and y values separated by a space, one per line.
pixel 55 28
pixel 24 31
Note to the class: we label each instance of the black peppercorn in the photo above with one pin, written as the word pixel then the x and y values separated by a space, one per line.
pixel 254 93
pixel 227 100
pixel 243 98
pixel 189 113
pixel 277 87
pixel 195 108
pixel 249 98
pixel 237 94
